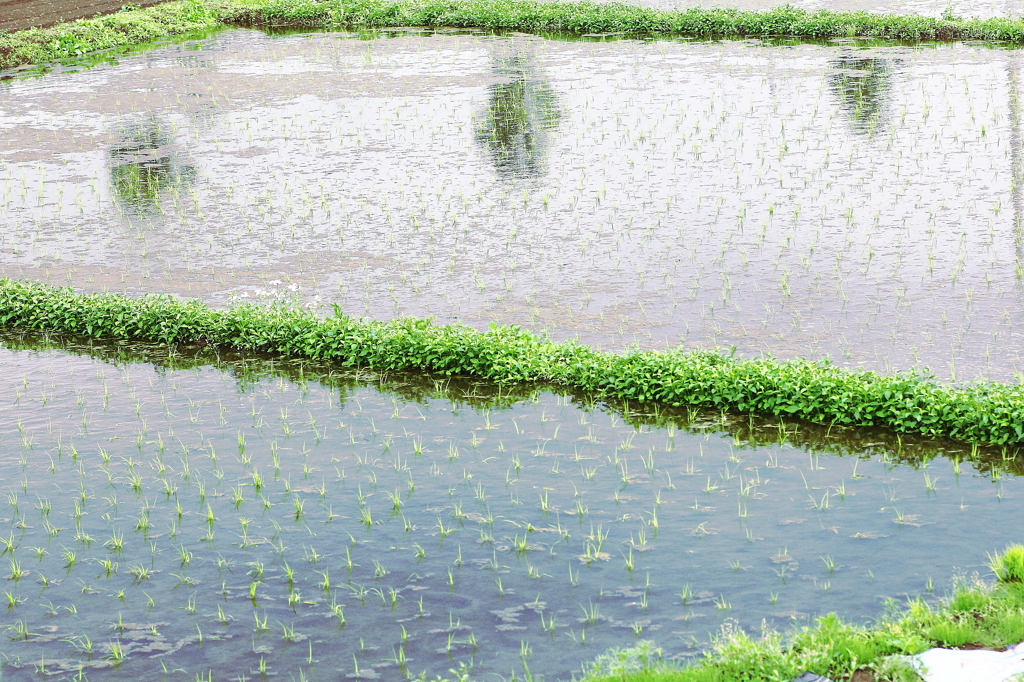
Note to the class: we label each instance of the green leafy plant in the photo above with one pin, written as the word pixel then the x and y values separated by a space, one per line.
pixel 984 412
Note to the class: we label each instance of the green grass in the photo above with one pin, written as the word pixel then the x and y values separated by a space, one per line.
pixel 131 27
pixel 74 39
pixel 1009 566
pixel 973 614
pixel 985 412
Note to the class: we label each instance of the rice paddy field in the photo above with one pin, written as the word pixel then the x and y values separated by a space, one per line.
pixel 188 512
pixel 853 201
pixel 239 517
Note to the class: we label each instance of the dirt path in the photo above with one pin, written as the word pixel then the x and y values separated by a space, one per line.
pixel 16 15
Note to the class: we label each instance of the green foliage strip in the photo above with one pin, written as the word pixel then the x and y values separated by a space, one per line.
pixel 135 26
pixel 985 412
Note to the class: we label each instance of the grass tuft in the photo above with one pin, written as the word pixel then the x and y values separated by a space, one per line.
pixel 1009 566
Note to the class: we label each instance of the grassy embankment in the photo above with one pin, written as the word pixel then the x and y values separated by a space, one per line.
pixel 135 26
pixel 983 412
pixel 974 614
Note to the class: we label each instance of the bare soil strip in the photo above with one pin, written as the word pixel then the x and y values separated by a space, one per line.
pixel 17 15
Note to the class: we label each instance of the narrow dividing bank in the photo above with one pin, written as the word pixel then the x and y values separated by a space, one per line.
pixel 135 26
pixel 982 412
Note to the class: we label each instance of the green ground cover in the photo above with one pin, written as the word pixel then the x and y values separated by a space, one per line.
pixel 134 26
pixel 981 412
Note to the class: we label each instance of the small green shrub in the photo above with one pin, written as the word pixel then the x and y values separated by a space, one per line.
pixel 1009 566
pixel 1009 628
pixel 1014 594
pixel 967 600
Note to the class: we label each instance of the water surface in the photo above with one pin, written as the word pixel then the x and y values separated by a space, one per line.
pixel 846 200
pixel 213 515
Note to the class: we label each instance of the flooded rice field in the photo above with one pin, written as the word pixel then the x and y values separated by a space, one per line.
pixel 243 518
pixel 845 200
pixel 239 517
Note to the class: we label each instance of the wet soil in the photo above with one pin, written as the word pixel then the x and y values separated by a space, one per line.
pixel 17 15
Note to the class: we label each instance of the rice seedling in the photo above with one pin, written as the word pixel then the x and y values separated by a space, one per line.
pixel 139 573
pixel 18 631
pixel 116 653
pixel 8 544
pixel 781 573
pixel 444 532
pixel 12 600
pixel 17 572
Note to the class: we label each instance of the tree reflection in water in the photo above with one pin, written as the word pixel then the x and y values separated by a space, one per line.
pixel 861 86
pixel 144 164
pixel 522 112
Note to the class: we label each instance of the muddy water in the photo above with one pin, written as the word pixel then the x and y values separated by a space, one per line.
pixel 846 201
pixel 172 510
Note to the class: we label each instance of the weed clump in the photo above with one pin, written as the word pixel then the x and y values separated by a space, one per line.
pixel 1009 566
